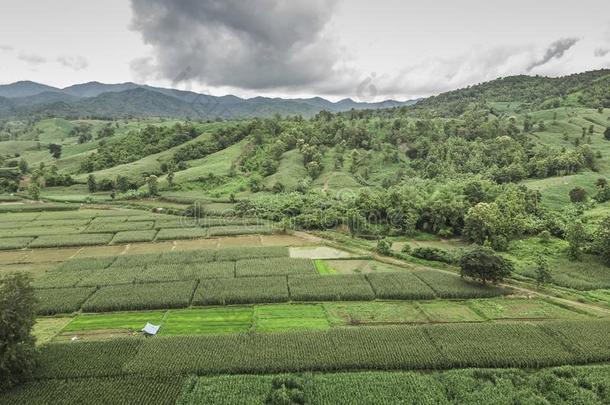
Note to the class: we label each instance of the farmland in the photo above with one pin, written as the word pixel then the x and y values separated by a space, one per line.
pixel 451 252
pixel 258 312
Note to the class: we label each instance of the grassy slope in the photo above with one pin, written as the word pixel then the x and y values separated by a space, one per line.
pixel 147 165
pixel 290 172
pixel 570 121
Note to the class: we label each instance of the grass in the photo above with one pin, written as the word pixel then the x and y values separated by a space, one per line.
pixel 587 274
pixel 323 268
pixel 376 312
pixel 555 190
pixel 45 329
pixel 205 321
pixel 133 321
pixel 290 317
pixel 439 311
pixel 521 309
pixel 290 172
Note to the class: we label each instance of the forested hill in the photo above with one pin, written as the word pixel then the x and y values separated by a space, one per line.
pixel 125 100
pixel 589 89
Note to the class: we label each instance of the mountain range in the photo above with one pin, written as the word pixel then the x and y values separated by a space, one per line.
pixel 123 100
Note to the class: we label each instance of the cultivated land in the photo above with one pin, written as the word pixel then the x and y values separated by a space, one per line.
pixel 231 305
pixel 257 251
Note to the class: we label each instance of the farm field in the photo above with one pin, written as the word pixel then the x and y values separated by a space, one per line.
pixel 301 316
pixel 266 292
pixel 446 250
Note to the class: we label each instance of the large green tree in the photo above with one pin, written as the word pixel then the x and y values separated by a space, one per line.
pixel 602 240
pixel 482 264
pixel 17 317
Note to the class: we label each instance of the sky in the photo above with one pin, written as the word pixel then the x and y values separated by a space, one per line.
pixel 362 49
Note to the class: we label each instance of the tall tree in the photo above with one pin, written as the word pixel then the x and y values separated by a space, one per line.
pixel 152 183
pixel 91 183
pixel 482 264
pixel 55 150
pixel 576 237
pixel 543 272
pixel 602 240
pixel 17 317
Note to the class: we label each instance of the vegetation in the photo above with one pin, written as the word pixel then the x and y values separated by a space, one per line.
pixel 313 246
pixel 18 355
pixel 483 265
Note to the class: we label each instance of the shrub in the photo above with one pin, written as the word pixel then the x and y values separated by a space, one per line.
pixel 432 253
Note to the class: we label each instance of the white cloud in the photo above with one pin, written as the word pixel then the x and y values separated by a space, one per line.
pixel 73 62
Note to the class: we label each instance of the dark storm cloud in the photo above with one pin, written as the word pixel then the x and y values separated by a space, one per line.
pixel 267 44
pixel 556 50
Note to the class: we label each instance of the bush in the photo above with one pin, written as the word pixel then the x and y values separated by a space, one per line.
pixel 384 247
pixel 432 253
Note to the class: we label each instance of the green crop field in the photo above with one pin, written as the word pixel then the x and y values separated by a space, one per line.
pixel 451 251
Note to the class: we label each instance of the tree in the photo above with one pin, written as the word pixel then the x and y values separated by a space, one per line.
pixel 17 317
pixel 55 150
pixel 578 195
pixel 482 264
pixel 607 134
pixel 356 223
pixel 121 183
pixel 384 247
pixel 23 166
pixel 91 183
pixel 151 181
pixel 576 237
pixel 34 191
pixel 170 179
pixel 256 183
pixel 602 240
pixel 543 272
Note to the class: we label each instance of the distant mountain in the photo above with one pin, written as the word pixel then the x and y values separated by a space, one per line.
pixel 94 89
pixel 24 89
pixel 134 100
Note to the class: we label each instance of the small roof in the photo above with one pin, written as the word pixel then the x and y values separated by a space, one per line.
pixel 151 329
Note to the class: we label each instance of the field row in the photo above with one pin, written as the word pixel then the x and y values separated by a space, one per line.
pixel 437 346
pixel 297 316
pixel 62 237
pixel 102 227
pixel 223 288
pixel 566 385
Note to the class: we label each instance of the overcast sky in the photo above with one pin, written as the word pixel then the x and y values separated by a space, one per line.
pixel 367 50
